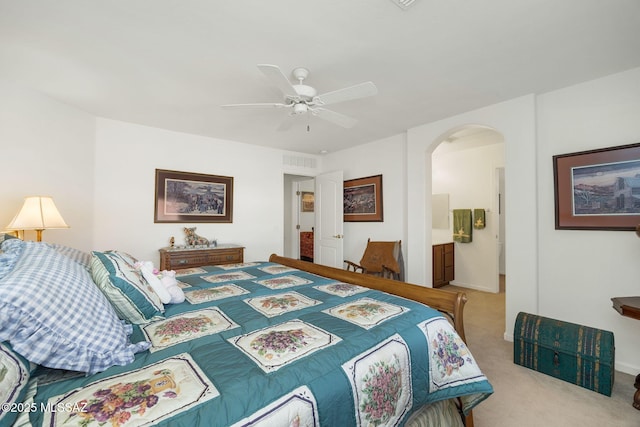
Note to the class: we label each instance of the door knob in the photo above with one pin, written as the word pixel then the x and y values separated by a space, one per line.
pixel 338 236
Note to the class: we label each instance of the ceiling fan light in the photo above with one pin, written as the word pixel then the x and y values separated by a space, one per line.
pixel 300 108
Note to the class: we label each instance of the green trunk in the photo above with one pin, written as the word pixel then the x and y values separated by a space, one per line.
pixel 574 353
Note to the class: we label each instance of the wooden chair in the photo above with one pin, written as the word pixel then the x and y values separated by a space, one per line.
pixel 383 259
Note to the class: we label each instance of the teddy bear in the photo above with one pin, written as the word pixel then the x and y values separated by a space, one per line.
pixel 193 239
pixel 163 283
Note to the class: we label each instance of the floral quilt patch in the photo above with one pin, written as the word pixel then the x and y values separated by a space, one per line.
pixel 275 305
pixel 190 271
pixel 141 397
pixel 237 265
pixel 451 362
pixel 366 312
pixel 186 326
pixel 341 289
pixel 228 277
pixel 277 269
pixel 298 408
pixel 183 285
pixel 381 383
pixel 273 347
pixel 198 296
pixel 283 282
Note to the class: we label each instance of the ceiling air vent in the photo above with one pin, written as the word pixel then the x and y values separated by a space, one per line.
pixel 403 4
pixel 299 161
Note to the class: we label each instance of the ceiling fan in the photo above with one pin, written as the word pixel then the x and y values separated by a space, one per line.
pixel 303 99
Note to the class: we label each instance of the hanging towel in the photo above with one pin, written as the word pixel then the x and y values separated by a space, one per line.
pixel 479 219
pixel 462 228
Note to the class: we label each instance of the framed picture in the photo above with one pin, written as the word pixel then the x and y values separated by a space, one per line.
pixel 598 189
pixel 363 199
pixel 307 201
pixel 193 197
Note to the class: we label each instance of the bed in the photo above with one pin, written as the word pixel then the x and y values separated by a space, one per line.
pixel 85 341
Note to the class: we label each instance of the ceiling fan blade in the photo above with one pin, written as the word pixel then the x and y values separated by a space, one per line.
pixel 258 105
pixel 333 117
pixel 277 77
pixel 361 90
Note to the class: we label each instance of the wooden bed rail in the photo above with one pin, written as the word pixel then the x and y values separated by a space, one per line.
pixel 450 303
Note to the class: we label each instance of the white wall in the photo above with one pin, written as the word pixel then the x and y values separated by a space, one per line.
pixel 385 157
pixel 468 177
pixel 581 270
pixel 47 149
pixel 126 158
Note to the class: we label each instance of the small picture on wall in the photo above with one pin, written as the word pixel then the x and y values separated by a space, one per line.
pixel 307 199
pixel 193 197
pixel 363 199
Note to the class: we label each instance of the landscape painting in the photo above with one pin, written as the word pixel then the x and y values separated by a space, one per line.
pixel 192 197
pixel 362 199
pixel 598 189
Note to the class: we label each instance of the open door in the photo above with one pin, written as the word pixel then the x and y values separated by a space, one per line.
pixel 328 245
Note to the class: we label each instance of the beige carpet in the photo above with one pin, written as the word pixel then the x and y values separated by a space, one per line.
pixel 523 397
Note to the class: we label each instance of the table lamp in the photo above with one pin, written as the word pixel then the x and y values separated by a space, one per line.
pixel 38 213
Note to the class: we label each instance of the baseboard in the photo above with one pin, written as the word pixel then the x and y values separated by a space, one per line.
pixel 471 286
pixel 627 368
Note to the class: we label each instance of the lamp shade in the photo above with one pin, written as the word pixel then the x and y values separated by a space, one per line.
pixel 37 213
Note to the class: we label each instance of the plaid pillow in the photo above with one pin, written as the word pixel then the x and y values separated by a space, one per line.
pixel 81 257
pixel 5 236
pixel 10 251
pixel 131 296
pixel 54 315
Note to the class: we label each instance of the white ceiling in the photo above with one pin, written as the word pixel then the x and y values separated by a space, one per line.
pixel 172 63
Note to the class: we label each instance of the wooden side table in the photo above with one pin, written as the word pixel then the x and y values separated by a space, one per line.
pixel 630 307
pixel 178 258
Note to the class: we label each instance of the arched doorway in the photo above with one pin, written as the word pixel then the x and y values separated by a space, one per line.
pixel 468 168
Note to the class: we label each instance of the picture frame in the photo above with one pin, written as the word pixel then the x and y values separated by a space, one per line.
pixel 307 201
pixel 192 197
pixel 362 199
pixel 598 189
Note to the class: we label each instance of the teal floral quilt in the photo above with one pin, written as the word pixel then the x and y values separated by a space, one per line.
pixel 261 344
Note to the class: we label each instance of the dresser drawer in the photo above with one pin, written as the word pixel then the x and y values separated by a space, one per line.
pixel 175 259
pixel 225 257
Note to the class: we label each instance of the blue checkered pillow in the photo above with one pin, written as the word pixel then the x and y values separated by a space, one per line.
pixel 54 315
pixel 5 236
pixel 10 251
pixel 81 257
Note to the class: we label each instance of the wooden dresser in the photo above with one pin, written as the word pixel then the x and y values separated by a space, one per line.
pixel 443 264
pixel 306 246
pixel 177 258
